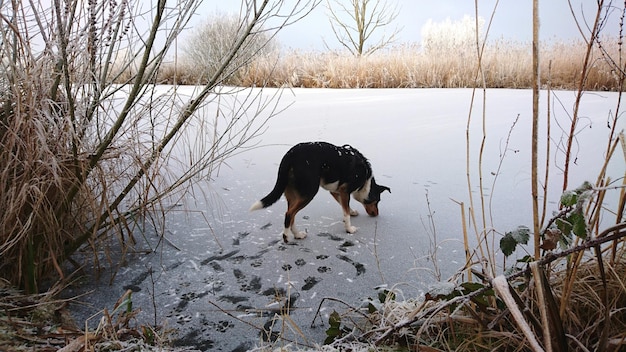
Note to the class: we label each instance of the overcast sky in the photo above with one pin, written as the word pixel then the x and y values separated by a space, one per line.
pixel 513 19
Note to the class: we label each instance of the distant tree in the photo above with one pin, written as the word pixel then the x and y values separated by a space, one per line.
pixel 210 43
pixel 355 23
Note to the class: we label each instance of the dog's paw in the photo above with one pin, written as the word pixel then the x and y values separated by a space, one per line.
pixel 353 212
pixel 300 235
pixel 351 229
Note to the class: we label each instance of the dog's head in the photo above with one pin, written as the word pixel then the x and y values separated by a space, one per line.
pixel 371 202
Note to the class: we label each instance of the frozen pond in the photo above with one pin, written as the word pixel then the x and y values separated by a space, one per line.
pixel 223 269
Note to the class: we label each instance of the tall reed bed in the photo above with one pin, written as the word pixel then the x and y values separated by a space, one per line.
pixel 506 64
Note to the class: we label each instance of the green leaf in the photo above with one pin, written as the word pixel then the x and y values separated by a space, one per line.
pixel 572 197
pixel 569 198
pixel 511 239
pixel 508 244
pixel 442 289
pixel 579 226
pixel 566 240
pixel 331 335
pixel 565 227
pixel 526 259
pixel 334 320
pixel 334 331
pixel 148 335
pixel 471 287
pixel 371 308
pixel 521 234
pixel 385 295
pixel 586 186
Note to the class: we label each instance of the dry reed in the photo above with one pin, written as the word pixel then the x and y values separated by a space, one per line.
pixel 38 165
pixel 506 64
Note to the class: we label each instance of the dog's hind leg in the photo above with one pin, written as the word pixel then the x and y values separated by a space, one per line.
pixel 295 203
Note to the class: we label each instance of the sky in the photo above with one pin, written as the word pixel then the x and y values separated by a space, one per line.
pixel 512 20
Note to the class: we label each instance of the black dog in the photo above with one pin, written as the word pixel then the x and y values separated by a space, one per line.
pixel 340 170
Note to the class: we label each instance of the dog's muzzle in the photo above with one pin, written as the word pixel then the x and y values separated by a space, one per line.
pixel 371 208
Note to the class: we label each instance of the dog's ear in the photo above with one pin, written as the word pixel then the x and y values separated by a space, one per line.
pixel 380 188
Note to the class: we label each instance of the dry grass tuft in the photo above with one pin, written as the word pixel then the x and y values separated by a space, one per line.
pixel 584 317
pixel 43 323
pixel 32 322
pixel 38 164
pixel 474 319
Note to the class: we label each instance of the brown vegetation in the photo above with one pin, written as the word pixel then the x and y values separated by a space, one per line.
pixel 82 138
pixel 506 65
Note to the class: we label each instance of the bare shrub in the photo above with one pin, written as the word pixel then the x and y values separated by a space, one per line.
pixel 84 161
pixel 209 45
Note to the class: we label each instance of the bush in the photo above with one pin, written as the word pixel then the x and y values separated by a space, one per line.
pixel 85 162
pixel 211 42
pixel 448 37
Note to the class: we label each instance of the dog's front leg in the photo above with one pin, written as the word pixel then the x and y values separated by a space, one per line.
pixel 338 199
pixel 344 200
pixel 349 227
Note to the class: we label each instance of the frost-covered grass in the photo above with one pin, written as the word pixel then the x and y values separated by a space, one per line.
pixel 507 64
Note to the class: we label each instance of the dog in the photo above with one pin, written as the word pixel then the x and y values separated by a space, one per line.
pixel 343 171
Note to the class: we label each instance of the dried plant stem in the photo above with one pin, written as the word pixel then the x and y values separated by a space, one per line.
pixel 466 244
pixel 131 100
pixel 535 131
pixel 501 285
pixel 593 210
pixel 547 165
pixel 481 235
pixel 173 133
pixel 622 199
pixel 582 86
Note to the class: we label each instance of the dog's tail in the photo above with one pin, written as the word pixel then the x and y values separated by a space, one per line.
pixel 279 188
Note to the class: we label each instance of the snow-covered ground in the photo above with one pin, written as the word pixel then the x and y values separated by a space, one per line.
pixel 219 258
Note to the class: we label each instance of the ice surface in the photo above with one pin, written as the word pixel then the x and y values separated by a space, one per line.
pixel 230 265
